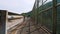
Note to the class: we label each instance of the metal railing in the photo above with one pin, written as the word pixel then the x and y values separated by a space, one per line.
pixel 45 18
pixel 40 10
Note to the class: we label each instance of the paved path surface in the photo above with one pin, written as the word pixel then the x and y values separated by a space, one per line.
pixel 13 23
pixel 28 27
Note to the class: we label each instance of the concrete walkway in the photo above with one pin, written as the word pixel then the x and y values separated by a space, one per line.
pixel 13 23
pixel 31 28
pixel 28 27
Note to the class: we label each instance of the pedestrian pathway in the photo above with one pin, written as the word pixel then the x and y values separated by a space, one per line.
pixel 31 28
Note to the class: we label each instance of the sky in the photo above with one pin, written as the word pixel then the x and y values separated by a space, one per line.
pixel 17 6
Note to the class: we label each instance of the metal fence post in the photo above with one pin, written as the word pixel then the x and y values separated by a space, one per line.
pixel 37 10
pixel 54 16
pixel 3 16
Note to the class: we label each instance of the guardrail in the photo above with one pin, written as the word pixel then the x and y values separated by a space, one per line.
pixel 4 19
pixel 41 16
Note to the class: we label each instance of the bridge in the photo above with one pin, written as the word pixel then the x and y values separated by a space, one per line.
pixel 44 18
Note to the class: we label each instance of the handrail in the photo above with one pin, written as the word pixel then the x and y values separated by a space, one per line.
pixel 11 13
pixel 49 8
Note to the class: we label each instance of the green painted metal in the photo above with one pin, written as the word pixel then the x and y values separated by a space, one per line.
pixel 54 17
pixel 45 15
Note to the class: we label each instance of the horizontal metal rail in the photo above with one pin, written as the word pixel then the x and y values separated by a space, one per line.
pixel 48 8
pixel 13 18
pixel 11 13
